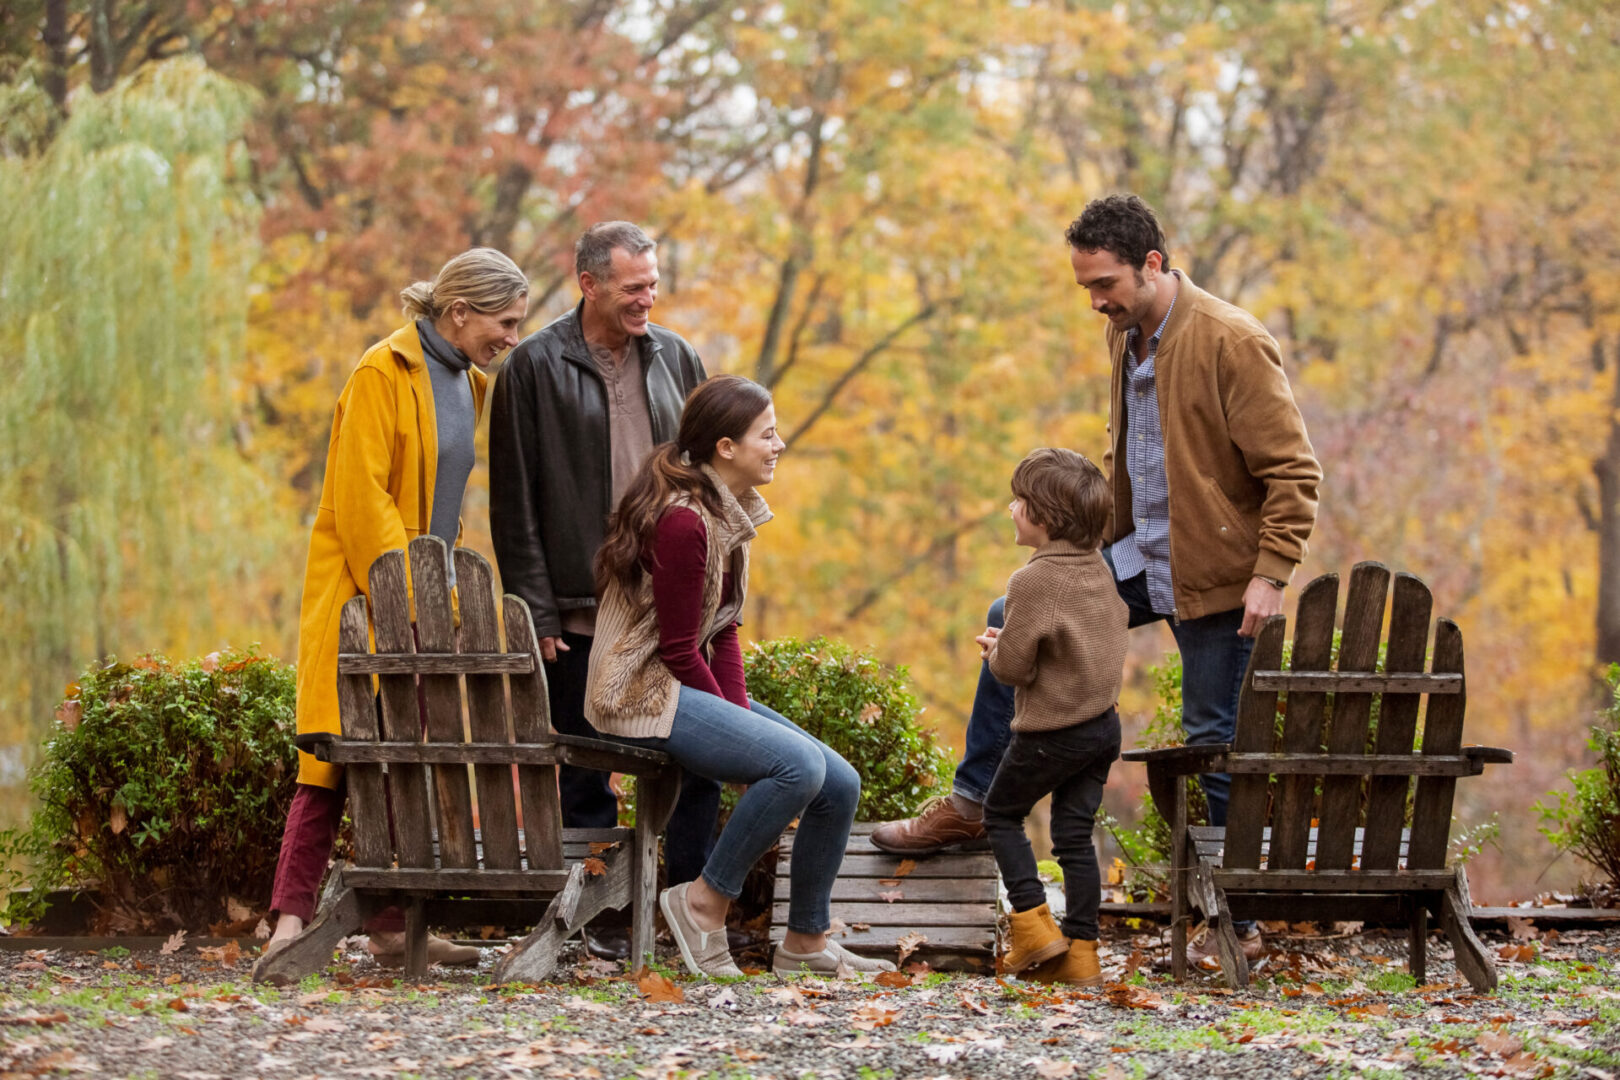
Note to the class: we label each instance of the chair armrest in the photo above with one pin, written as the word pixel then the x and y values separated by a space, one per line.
pixel 314 742
pixel 1489 755
pixel 1181 760
pixel 610 756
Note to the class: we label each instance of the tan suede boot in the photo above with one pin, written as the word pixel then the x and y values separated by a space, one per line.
pixel 1076 967
pixel 1035 939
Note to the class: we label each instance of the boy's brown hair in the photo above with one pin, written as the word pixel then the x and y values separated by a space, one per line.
pixel 1064 493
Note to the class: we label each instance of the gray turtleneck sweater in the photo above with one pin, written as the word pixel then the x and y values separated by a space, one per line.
pixel 456 419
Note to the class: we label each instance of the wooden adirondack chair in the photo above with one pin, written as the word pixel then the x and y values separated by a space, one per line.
pixel 1317 823
pixel 411 796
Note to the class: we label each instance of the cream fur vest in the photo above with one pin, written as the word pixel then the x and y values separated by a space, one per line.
pixel 628 690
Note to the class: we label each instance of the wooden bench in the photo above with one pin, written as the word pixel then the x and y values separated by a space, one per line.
pixel 411 792
pixel 1328 818
pixel 949 899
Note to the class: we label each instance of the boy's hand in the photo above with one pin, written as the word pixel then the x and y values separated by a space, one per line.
pixel 987 639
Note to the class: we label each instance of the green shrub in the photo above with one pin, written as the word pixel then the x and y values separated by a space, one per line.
pixel 165 787
pixel 861 709
pixel 1586 821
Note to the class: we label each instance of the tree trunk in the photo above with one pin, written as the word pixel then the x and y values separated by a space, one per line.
pixel 1607 469
pixel 55 39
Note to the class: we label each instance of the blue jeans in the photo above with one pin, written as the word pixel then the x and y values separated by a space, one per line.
pixel 789 774
pixel 1213 660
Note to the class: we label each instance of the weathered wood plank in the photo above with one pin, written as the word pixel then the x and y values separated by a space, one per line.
pixel 467 663
pixel 917 916
pixel 401 711
pixel 1398 681
pixel 531 723
pixel 357 708
pixel 476 753
pixel 1358 651
pixel 1397 722
pixel 1302 727
pixel 459 880
pixel 486 712
pixel 1407 765
pixel 861 866
pixel 441 699
pixel 920 891
pixel 1256 734
pixel 861 844
pixel 1334 880
pixel 1442 734
pixel 877 938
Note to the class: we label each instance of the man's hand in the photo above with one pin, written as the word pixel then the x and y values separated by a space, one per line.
pixel 551 646
pixel 1261 600
pixel 987 639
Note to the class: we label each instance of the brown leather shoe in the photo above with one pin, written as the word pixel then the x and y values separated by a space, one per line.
pixel 1203 953
pixel 937 826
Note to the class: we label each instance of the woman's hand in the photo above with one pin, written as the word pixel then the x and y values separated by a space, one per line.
pixel 987 639
pixel 551 646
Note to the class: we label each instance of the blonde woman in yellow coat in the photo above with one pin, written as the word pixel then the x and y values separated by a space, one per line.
pixel 396 467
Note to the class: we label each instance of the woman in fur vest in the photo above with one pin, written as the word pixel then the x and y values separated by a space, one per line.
pixel 667 673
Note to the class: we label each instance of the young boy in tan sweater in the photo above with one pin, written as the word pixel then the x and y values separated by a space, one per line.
pixel 1062 650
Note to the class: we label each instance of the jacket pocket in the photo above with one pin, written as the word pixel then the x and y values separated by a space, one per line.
pixel 1225 546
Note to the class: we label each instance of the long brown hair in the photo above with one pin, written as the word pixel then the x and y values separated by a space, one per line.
pixel 723 407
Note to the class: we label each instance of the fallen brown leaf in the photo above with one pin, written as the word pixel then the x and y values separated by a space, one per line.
pixel 893 979
pixel 908 944
pixel 658 988
pixel 889 896
pixel 37 1019
pixel 595 867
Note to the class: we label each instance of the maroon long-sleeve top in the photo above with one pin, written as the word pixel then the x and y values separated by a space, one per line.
pixel 676 557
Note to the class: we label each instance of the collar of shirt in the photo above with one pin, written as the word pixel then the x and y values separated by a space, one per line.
pixel 1153 342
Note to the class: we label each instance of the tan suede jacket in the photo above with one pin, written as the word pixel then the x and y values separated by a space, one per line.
pixel 1243 477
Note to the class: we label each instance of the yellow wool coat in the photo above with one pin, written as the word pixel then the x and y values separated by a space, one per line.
pixel 378 493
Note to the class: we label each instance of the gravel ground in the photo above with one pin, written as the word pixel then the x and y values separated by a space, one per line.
pixel 1322 1005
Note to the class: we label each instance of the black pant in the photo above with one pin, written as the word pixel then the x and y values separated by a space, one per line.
pixel 1072 764
pixel 587 800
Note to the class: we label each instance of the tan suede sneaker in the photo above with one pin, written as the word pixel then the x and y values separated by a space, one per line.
pixel 937 826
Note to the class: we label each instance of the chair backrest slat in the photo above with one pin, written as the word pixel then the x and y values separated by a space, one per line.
pixel 441 701
pixel 1442 734
pixel 1397 722
pixel 1295 803
pixel 486 712
pixel 1358 651
pixel 357 709
pixel 531 723
pixel 1255 734
pixel 401 714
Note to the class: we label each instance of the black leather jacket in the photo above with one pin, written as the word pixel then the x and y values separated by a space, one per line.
pixel 550 472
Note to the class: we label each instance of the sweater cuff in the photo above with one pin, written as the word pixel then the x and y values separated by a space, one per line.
pixel 1271 565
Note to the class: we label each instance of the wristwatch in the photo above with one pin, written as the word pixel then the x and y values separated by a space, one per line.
pixel 1275 582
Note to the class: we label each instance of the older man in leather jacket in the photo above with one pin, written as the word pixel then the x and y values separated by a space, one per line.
pixel 577 407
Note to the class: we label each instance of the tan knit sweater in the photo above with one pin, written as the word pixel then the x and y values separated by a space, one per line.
pixel 1063 646
pixel 628 690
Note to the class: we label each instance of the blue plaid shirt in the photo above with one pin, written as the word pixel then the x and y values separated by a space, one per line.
pixel 1148 546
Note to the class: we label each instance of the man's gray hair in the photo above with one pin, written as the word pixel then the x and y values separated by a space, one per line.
pixel 593 253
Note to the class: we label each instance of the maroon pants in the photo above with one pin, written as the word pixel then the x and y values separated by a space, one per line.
pixel 306 848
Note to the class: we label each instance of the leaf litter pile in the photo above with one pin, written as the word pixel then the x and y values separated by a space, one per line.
pixel 1324 1003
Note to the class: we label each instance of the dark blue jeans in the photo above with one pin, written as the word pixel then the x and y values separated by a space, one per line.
pixel 1072 765
pixel 587 800
pixel 790 774
pixel 1213 660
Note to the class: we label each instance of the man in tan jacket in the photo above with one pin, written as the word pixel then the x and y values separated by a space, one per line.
pixel 1215 492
